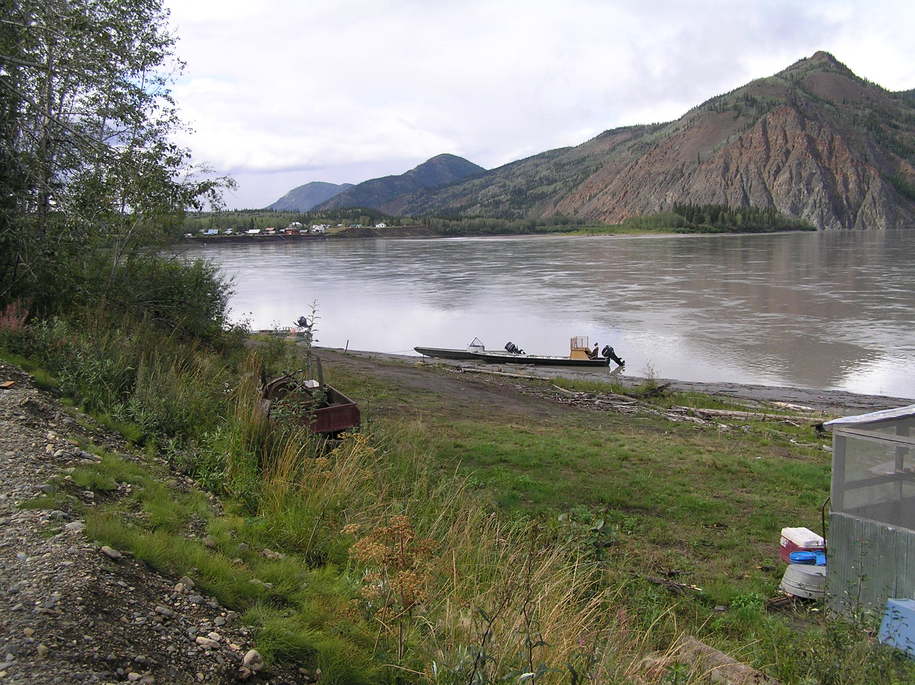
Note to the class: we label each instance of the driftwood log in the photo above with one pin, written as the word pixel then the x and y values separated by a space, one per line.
pixel 707 662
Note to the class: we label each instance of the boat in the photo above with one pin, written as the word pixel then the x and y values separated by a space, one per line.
pixel 579 350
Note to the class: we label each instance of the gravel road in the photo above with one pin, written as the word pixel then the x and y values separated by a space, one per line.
pixel 74 612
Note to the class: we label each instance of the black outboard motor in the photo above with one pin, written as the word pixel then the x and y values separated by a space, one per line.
pixel 511 348
pixel 609 355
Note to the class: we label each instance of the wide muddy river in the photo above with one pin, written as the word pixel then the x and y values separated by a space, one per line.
pixel 818 310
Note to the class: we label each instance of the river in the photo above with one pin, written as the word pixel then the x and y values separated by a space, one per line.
pixel 831 310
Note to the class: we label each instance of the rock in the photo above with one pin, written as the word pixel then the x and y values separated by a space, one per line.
pixel 111 553
pixel 195 599
pixel 244 673
pixel 219 621
pixel 206 642
pixel 216 637
pixel 75 527
pixel 28 632
pixel 209 541
pixel 243 547
pixel 164 611
pixel 133 676
pixel 187 582
pixel 270 554
pixel 253 660
pixel 42 650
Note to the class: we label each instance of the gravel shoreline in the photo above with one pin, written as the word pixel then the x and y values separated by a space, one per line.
pixel 832 402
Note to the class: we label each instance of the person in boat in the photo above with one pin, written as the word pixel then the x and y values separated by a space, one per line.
pixel 593 353
pixel 609 355
pixel 511 348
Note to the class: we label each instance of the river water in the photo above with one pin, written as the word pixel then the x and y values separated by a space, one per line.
pixel 832 310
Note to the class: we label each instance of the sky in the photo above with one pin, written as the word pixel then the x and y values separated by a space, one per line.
pixel 279 93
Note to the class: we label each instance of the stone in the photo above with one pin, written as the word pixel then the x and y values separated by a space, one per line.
pixel 209 541
pixel 195 599
pixel 206 642
pixel 42 650
pixel 243 547
pixel 270 554
pixel 164 611
pixel 253 660
pixel 219 621
pixel 187 582
pixel 111 553
pixel 28 632
pixel 133 676
pixel 75 527
pixel 216 637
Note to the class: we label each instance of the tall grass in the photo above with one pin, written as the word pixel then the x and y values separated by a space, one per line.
pixel 380 568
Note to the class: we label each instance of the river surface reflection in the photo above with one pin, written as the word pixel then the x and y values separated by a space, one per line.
pixel 820 310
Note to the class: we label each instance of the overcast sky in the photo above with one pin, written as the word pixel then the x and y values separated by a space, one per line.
pixel 283 92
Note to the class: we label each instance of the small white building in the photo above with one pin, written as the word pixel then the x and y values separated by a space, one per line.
pixel 253 231
pixel 381 224
pixel 319 228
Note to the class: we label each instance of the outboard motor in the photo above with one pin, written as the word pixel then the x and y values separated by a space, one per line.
pixel 609 355
pixel 511 348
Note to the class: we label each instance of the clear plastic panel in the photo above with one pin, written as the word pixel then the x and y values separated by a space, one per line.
pixel 878 482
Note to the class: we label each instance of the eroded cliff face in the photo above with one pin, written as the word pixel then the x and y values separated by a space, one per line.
pixel 786 160
pixel 813 141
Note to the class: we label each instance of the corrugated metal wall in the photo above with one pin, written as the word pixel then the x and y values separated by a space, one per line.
pixel 869 562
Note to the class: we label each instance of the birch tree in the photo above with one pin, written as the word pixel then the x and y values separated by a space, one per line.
pixel 90 161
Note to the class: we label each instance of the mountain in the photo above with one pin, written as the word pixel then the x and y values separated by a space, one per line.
pixel 305 197
pixel 440 171
pixel 814 141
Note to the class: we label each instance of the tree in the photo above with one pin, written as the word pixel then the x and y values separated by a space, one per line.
pixel 90 167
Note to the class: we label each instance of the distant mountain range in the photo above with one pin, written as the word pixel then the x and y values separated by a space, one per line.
pixel 377 193
pixel 814 141
pixel 310 195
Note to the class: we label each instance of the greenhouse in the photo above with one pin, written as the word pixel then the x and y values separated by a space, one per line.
pixel 871 541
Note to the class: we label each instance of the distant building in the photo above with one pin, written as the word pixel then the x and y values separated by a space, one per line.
pixel 318 228
pixel 270 230
pixel 381 224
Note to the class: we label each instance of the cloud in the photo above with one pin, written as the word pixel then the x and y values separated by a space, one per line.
pixel 326 87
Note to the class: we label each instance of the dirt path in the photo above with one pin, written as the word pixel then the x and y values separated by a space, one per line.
pixel 415 372
pixel 469 395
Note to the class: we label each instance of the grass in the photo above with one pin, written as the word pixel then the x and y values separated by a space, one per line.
pixel 650 498
pixel 446 543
